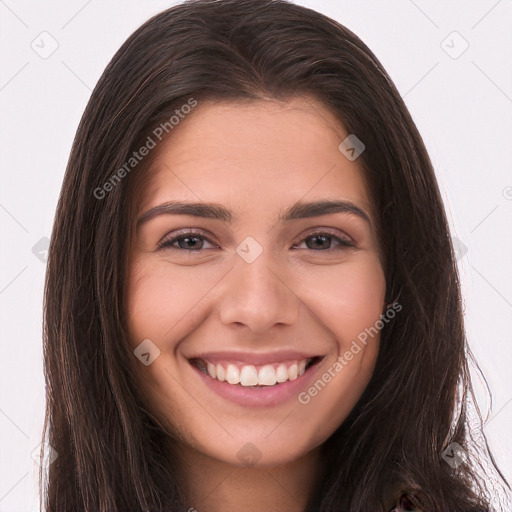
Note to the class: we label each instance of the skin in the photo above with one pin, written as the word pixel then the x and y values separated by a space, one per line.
pixel 255 158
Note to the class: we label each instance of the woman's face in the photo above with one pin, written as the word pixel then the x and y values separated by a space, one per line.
pixel 260 287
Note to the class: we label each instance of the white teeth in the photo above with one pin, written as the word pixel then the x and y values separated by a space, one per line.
pixel 221 373
pixel 249 376
pixel 232 374
pixel 281 373
pixel 267 376
pixel 293 371
pixel 211 370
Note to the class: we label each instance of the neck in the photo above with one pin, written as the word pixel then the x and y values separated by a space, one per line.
pixel 211 485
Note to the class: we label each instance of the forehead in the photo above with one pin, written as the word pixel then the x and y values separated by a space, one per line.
pixel 255 154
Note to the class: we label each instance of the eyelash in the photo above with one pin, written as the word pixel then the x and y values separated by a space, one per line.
pixel 167 244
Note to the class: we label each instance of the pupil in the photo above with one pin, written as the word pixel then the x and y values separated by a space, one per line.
pixel 322 239
pixel 188 239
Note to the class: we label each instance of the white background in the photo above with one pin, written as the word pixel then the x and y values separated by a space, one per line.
pixel 462 107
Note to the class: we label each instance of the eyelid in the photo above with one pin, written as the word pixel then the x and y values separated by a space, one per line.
pixel 191 231
pixel 319 230
pixel 344 240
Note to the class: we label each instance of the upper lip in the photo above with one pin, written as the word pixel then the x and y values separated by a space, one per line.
pixel 253 358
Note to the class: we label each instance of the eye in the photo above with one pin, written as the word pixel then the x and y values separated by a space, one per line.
pixel 322 242
pixel 191 241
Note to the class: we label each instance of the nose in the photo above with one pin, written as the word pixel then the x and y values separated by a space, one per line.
pixel 257 296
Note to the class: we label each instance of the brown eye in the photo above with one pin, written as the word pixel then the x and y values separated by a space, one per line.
pixel 188 241
pixel 322 241
pixel 193 242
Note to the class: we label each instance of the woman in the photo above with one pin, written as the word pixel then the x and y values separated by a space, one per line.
pixel 252 301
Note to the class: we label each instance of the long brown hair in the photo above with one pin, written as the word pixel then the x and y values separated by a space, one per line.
pixel 110 448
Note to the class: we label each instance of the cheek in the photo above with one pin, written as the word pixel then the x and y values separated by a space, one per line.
pixel 349 298
pixel 352 314
pixel 359 303
pixel 350 304
pixel 158 299
pixel 147 297
pixel 159 307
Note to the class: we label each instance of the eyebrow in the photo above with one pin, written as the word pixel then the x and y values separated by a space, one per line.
pixel 299 210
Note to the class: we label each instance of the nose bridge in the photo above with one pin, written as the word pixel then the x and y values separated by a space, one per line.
pixel 256 294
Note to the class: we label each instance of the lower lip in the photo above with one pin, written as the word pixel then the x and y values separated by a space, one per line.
pixel 268 396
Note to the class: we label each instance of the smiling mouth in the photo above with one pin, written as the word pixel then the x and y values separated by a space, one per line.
pixel 255 376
